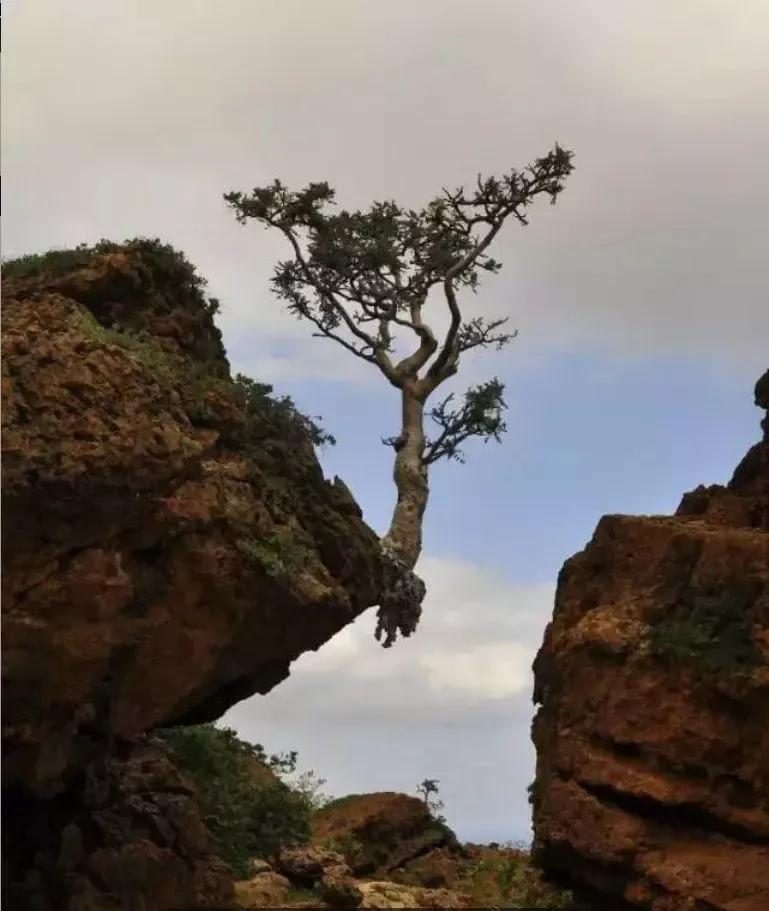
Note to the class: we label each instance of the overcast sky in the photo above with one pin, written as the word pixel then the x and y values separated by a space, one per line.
pixel 640 298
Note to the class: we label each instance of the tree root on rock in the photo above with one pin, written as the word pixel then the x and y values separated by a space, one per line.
pixel 400 605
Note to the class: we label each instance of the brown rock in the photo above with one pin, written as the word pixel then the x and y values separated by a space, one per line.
pixel 338 889
pixel 260 866
pixel 167 551
pixel 380 832
pixel 266 890
pixel 133 829
pixel 653 731
pixel 378 894
pixel 305 865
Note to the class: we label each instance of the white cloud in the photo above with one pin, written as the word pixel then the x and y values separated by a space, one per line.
pixel 452 699
pixel 128 118
pixel 474 645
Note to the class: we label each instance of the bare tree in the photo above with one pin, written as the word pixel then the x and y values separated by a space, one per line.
pixel 364 279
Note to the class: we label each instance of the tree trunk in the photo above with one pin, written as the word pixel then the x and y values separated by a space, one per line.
pixel 410 474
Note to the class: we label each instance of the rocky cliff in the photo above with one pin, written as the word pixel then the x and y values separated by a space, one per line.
pixel 170 546
pixel 652 735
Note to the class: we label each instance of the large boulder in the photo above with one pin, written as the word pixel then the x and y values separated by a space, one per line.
pixel 652 734
pixel 265 890
pixel 378 833
pixel 170 543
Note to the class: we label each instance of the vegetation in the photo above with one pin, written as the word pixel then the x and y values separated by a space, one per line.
pixel 257 402
pixel 278 553
pixel 159 263
pixel 715 632
pixel 250 811
pixel 506 878
pixel 346 844
pixel 428 789
pixel 374 281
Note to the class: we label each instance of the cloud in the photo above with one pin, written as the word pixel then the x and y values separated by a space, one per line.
pixel 474 648
pixel 453 702
pixel 129 118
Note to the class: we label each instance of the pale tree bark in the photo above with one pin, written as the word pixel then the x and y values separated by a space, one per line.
pixel 404 536
pixel 362 277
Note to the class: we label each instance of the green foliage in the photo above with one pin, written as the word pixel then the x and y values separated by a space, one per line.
pixel 507 879
pixel 309 785
pixel 480 415
pixel 257 402
pixel 346 844
pixel 714 632
pixel 336 802
pixel 165 366
pixel 248 809
pixel 434 804
pixel 296 894
pixel 157 260
pixel 278 553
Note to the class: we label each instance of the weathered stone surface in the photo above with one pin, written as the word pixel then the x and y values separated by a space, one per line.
pixel 306 864
pixel 380 832
pixel 168 549
pixel 338 889
pixel 139 519
pixel 653 731
pixel 266 890
pixel 128 828
pixel 394 895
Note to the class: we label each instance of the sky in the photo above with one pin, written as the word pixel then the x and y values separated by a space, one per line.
pixel 640 299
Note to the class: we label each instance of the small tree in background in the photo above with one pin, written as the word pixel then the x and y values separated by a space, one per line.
pixel 364 279
pixel 434 804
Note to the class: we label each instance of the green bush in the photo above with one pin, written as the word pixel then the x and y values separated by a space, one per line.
pixel 714 632
pixel 278 411
pixel 249 811
pixel 278 553
pixel 159 263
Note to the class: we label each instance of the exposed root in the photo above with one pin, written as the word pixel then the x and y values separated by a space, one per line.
pixel 400 605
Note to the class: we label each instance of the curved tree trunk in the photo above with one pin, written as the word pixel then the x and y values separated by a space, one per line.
pixel 404 536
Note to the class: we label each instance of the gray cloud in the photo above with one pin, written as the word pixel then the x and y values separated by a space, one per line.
pixel 134 117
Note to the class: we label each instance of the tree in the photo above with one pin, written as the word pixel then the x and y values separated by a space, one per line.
pixel 365 279
pixel 427 788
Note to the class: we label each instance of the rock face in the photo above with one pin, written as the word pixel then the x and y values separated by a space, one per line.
pixel 170 544
pixel 652 735
pixel 379 833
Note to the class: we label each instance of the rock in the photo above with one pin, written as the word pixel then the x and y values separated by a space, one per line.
pixel 380 832
pixel 378 894
pixel 266 890
pixel 170 545
pixel 133 827
pixel 260 866
pixel 305 865
pixel 652 734
pixel 338 889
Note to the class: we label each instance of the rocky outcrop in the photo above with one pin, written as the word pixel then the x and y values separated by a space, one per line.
pixel 129 828
pixel 379 833
pixel 170 543
pixel 652 734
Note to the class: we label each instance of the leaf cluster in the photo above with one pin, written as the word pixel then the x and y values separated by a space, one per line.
pixel 479 415
pixel 280 411
pixel 361 277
